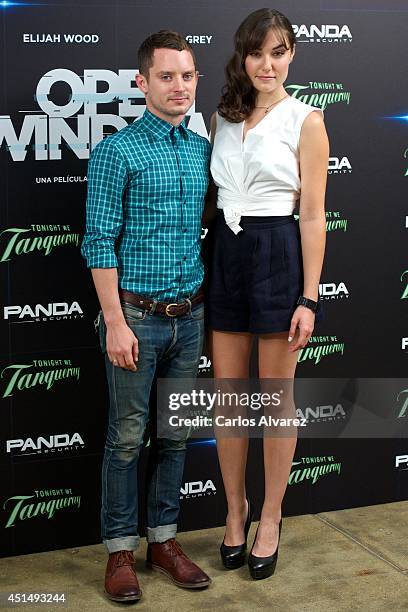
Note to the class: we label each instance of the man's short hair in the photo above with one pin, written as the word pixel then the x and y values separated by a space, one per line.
pixel 164 39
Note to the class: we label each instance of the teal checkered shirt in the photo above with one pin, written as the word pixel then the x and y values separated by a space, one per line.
pixel 146 189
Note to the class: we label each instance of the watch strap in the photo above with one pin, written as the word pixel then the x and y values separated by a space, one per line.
pixel 311 304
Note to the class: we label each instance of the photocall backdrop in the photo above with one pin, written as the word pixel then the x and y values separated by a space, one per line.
pixel 67 81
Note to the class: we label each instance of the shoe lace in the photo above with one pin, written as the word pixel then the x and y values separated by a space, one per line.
pixel 125 557
pixel 175 548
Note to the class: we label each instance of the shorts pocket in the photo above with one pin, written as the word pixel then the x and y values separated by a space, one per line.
pixel 293 252
pixel 277 258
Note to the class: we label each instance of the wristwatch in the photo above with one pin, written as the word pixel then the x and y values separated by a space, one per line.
pixel 302 301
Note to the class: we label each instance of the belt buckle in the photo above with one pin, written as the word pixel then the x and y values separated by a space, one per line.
pixel 167 310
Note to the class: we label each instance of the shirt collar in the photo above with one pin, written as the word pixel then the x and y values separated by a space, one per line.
pixel 160 128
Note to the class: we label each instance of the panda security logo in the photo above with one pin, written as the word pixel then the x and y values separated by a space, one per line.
pixel 38 313
pixel 333 291
pixel 321 414
pixel 204 364
pixel 198 488
pixel 339 165
pixel 401 462
pixel 323 33
pixel 56 443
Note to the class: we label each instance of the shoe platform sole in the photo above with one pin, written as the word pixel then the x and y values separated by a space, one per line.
pixel 184 585
pixel 262 573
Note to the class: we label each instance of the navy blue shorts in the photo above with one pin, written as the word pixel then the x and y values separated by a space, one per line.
pixel 256 276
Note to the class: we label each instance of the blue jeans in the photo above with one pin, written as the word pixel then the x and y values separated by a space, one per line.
pixel 168 347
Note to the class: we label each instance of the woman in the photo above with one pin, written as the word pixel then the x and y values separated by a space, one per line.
pixel 268 149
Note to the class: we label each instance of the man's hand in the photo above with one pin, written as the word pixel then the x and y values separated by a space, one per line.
pixel 122 346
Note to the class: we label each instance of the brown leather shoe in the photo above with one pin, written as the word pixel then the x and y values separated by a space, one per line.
pixel 169 558
pixel 121 582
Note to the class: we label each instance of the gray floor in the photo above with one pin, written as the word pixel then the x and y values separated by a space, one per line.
pixel 347 560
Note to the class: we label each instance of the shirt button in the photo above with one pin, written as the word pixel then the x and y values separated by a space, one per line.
pixel 184 229
pixel 184 258
pixel 183 173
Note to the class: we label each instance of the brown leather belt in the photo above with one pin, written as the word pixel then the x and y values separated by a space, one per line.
pixel 171 309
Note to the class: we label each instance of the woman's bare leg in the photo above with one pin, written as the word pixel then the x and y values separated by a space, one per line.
pixel 275 361
pixel 230 354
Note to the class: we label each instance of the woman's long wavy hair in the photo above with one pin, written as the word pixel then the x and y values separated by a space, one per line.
pixel 238 94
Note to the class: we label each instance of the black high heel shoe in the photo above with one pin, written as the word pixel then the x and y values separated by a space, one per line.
pixel 263 567
pixel 234 556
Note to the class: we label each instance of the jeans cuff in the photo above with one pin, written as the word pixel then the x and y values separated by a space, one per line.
pixel 161 533
pixel 125 543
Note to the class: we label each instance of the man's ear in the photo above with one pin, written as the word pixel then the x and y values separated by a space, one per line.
pixel 141 82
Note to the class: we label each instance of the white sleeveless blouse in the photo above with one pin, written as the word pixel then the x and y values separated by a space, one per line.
pixel 260 176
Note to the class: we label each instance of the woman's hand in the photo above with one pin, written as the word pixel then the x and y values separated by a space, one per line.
pixel 303 320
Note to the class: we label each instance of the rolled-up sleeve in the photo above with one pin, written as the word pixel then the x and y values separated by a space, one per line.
pixel 107 180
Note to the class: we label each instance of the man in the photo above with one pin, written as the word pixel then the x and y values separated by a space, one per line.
pixel 146 187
